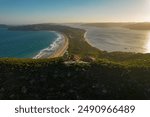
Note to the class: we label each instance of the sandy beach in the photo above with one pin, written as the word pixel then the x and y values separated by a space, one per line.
pixel 86 39
pixel 62 48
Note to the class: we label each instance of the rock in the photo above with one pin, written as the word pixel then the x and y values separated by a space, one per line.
pixel 75 58
pixel 88 59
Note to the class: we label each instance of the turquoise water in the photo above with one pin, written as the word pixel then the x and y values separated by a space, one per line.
pixel 24 44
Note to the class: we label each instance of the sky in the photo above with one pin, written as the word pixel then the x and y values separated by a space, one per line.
pixel 67 11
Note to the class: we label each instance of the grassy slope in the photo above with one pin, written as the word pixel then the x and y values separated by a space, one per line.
pixel 112 76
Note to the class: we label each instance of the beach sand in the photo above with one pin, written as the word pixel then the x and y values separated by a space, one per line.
pixel 62 48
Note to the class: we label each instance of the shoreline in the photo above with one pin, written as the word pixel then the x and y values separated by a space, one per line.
pixel 58 50
pixel 85 37
pixel 125 48
pixel 62 47
pixel 87 40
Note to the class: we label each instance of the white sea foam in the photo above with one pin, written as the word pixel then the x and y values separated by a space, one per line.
pixel 45 53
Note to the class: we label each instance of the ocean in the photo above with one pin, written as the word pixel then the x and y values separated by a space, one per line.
pixel 119 39
pixel 116 38
pixel 27 44
pixel 42 44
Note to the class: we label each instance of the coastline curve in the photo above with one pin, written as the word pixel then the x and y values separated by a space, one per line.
pixel 56 49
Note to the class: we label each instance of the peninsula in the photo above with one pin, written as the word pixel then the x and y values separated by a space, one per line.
pixel 83 72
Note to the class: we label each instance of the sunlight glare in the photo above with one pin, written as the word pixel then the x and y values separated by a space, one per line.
pixel 148 43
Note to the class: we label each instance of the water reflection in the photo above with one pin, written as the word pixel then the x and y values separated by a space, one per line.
pixel 148 43
pixel 117 38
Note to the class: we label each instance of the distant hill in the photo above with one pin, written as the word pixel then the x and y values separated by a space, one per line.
pixel 139 26
pixel 3 26
pixel 107 24
pixel 134 26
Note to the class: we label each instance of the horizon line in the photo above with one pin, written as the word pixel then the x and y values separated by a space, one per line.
pixel 76 22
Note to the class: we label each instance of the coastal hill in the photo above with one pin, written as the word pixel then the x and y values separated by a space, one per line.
pixel 84 72
pixel 139 26
pixel 3 26
pixel 135 26
pixel 108 24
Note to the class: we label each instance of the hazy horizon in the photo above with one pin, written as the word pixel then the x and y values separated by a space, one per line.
pixel 20 24
pixel 18 12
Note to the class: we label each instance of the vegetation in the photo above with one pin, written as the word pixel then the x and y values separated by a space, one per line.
pixel 56 79
pixel 114 75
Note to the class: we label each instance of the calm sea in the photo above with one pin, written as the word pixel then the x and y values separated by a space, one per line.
pixel 117 38
pixel 25 44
